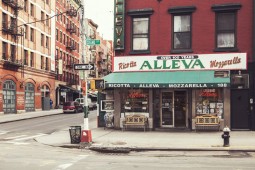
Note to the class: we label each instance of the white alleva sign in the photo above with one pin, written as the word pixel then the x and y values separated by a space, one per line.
pixel 228 61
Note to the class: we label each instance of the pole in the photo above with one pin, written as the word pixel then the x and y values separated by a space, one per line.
pixel 86 122
pixel 86 133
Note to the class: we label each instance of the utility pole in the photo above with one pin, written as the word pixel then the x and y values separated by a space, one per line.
pixel 86 133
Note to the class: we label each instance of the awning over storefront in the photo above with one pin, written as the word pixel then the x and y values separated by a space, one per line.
pixel 65 88
pixel 180 79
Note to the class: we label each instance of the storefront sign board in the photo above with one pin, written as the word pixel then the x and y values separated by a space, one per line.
pixel 227 61
pixel 166 85
pixel 119 26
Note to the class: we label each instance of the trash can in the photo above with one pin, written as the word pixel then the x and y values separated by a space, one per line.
pixel 75 134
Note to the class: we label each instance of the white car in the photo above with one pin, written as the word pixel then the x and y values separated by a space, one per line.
pixel 91 105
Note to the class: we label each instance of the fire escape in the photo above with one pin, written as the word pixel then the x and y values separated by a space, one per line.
pixel 71 46
pixel 12 61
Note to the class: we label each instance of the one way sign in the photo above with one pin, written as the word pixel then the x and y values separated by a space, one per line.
pixel 84 66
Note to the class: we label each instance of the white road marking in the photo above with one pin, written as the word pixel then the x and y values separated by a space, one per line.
pixel 14 137
pixel 29 137
pixel 73 161
pixel 17 143
pixel 3 132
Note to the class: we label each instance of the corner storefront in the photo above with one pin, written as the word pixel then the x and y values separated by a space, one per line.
pixel 172 90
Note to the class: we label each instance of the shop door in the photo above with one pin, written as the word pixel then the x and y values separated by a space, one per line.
pixel 180 108
pixel 240 109
pixel 167 116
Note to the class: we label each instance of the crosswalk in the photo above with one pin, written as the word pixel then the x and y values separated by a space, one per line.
pixel 21 139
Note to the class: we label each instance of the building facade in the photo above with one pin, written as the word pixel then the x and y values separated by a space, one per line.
pixel 67 51
pixel 176 60
pixel 27 77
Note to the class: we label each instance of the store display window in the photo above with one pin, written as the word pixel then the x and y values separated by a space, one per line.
pixel 209 101
pixel 135 100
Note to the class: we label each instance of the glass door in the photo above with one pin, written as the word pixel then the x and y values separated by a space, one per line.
pixel 167 116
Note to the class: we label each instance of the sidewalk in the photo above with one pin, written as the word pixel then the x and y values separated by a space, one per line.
pixel 112 140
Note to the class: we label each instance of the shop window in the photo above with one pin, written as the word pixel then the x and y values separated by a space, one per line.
pixel 226 26
pixel 135 100
pixel 209 101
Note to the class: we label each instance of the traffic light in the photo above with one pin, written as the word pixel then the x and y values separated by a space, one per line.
pixel 97 84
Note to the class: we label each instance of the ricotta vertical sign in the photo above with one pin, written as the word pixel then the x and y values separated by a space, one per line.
pixel 226 61
pixel 119 20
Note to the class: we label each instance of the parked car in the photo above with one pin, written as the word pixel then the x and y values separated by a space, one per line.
pixel 72 106
pixel 91 105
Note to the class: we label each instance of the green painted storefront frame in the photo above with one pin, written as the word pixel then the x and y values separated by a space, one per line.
pixel 180 79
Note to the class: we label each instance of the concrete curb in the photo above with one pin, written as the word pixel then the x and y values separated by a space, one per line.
pixel 103 149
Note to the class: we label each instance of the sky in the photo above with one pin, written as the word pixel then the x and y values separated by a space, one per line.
pixel 101 12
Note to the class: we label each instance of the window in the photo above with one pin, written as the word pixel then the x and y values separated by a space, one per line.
pixel 225 26
pixel 42 17
pixel 25 5
pixel 181 28
pixel 32 34
pixel 25 57
pixel 26 31
pixel 32 58
pixel 209 101
pixel 42 40
pixel 57 54
pixel 47 20
pixel 47 64
pixel 13 53
pixel 57 34
pixel 140 42
pixel 32 10
pixel 42 62
pixel 4 19
pixel 140 34
pixel 4 50
pixel 182 32
pixel 47 42
pixel 60 37
pixel 135 100
pixel 225 30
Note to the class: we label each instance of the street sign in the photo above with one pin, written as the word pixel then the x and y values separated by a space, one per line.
pixel 92 42
pixel 84 66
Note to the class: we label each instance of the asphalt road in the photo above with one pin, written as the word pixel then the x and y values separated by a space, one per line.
pixel 48 124
pixel 20 152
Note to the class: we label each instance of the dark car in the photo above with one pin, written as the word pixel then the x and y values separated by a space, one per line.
pixel 72 107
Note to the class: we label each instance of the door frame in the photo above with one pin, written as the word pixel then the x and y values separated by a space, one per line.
pixel 162 91
pixel 186 105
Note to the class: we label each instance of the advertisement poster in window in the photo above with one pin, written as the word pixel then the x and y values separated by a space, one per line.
pixel 107 105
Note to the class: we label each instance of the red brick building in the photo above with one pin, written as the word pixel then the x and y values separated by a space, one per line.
pixel 67 50
pixel 177 60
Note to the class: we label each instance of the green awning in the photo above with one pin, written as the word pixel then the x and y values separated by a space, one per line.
pixel 180 79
